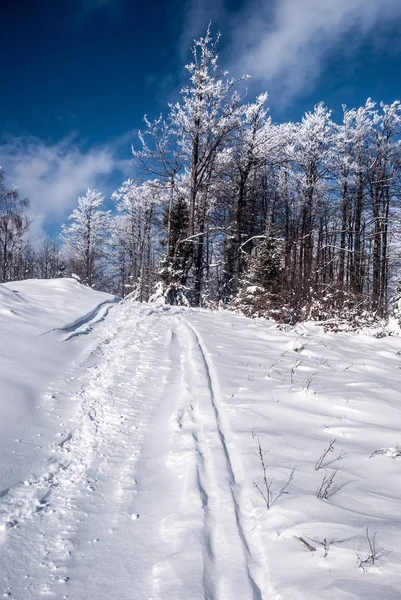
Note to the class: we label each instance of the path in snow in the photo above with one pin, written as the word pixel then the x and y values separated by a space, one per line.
pixel 143 495
pixel 144 478
pixel 203 458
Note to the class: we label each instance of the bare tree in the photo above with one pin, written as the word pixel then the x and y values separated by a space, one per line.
pixel 14 223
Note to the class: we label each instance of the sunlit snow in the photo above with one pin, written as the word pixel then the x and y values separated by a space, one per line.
pixel 133 440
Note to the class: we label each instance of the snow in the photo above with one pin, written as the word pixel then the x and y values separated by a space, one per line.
pixel 31 356
pixel 131 461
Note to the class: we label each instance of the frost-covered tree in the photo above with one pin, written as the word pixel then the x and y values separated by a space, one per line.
pixel 396 303
pixel 160 156
pixel 183 151
pixel 203 121
pixel 170 272
pixel 84 238
pixel 254 147
pixel 14 223
pixel 226 175
pixel 355 145
pixel 386 151
pixel 134 235
pixel 311 156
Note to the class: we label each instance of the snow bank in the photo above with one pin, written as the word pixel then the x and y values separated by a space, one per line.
pixel 30 358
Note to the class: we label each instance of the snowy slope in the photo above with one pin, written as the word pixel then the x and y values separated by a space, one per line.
pixel 143 455
pixel 31 356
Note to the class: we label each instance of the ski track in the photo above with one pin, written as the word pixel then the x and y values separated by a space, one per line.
pixel 230 540
pixel 93 467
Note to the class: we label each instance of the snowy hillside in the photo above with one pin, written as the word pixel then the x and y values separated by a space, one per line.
pixel 35 317
pixel 175 454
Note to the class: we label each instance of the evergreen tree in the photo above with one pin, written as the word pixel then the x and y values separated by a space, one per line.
pixel 259 292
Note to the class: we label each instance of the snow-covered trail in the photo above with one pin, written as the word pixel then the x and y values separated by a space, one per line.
pixel 143 496
pixel 212 502
pixel 146 464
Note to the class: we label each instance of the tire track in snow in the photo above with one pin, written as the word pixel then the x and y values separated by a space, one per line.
pixel 230 569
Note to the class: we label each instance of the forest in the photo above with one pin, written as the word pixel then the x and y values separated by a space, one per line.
pixel 290 221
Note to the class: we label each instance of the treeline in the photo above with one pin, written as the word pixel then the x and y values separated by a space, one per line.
pixel 294 220
pixel 19 257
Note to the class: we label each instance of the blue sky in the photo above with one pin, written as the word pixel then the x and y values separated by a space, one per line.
pixel 78 75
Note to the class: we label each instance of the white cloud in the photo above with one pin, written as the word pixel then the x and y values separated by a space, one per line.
pixel 285 43
pixel 53 175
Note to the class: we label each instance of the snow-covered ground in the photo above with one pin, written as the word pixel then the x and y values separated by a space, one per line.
pixel 133 457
